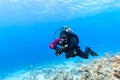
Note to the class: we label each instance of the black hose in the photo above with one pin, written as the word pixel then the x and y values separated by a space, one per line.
pixel 56 32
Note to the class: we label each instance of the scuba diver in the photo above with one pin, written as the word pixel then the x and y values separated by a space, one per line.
pixel 68 43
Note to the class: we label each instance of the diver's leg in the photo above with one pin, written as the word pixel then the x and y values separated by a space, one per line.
pixel 92 53
pixel 70 53
pixel 85 54
pixel 82 54
pixel 67 56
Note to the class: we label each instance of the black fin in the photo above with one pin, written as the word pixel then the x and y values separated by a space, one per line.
pixel 92 53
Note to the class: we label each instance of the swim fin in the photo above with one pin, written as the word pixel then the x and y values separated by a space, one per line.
pixel 92 53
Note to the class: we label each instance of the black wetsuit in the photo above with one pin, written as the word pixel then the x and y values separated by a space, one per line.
pixel 73 49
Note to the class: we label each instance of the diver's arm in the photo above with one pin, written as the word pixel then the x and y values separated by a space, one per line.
pixel 54 43
pixel 73 44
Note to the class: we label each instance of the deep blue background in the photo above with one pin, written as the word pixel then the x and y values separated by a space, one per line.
pixel 25 39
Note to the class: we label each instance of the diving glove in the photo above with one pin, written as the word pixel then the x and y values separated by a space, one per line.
pixel 59 51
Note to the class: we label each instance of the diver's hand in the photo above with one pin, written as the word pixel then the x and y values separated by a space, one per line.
pixel 59 51
pixel 57 54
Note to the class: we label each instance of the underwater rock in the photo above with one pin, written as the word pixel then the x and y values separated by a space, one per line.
pixel 102 69
pixel 61 75
pixel 105 68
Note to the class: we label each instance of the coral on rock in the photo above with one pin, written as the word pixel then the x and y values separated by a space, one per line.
pixel 99 69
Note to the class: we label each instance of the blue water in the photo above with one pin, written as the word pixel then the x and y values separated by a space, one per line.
pixel 27 29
